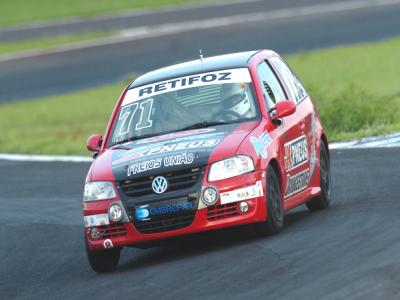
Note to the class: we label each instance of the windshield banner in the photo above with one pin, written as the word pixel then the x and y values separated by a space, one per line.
pixel 197 80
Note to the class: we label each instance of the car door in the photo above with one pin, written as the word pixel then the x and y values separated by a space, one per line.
pixel 296 146
pixel 288 133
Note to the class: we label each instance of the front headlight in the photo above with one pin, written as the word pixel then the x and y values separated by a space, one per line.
pixel 230 167
pixel 98 190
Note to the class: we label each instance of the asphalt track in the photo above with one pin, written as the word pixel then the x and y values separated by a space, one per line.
pixel 349 251
pixel 73 70
pixel 123 20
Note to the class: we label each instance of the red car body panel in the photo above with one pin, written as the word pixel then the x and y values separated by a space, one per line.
pixel 303 125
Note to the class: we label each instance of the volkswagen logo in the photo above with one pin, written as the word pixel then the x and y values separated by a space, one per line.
pixel 159 185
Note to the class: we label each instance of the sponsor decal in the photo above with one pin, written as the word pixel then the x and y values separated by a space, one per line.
pixel 296 153
pixel 154 149
pixel 144 212
pixel 241 194
pixel 129 111
pixel 175 135
pixel 197 80
pixel 313 154
pixel 296 183
pixel 143 166
pixel 129 156
pixel 179 159
pixel 261 143
pixel 168 161
pixel 96 220
pixel 185 82
pixel 108 244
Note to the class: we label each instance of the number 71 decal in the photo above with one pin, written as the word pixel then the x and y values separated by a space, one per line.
pixel 129 111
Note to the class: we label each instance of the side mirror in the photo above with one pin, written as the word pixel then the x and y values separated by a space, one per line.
pixel 93 143
pixel 283 109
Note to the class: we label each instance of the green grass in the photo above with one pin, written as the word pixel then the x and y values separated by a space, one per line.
pixel 17 12
pixel 45 43
pixel 355 89
pixel 59 124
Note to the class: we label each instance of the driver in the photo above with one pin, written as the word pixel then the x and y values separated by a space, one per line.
pixel 235 98
pixel 171 114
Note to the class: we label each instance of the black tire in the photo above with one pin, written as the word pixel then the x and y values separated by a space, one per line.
pixel 274 222
pixel 103 260
pixel 324 199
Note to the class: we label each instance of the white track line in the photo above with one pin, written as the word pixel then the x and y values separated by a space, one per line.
pixel 388 141
pixel 173 28
pixel 128 13
pixel 44 158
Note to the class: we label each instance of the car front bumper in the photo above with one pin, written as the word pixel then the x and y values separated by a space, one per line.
pixel 218 216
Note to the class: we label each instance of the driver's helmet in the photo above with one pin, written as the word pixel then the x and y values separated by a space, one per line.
pixel 235 98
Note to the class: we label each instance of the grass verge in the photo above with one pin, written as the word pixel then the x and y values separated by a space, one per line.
pixel 46 43
pixel 19 12
pixel 355 89
pixel 56 125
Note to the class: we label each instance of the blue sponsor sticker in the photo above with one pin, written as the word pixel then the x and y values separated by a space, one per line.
pixel 142 213
pixel 161 210
pixel 261 143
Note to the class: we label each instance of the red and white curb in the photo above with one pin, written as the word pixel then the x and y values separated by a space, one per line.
pixel 386 141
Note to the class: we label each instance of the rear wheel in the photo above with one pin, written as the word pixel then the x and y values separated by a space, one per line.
pixel 103 260
pixel 324 199
pixel 274 222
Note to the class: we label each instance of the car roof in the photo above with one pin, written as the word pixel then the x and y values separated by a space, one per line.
pixel 207 64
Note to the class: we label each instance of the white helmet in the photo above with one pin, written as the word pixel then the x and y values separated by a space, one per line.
pixel 234 97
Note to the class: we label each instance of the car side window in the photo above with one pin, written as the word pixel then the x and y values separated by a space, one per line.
pixel 296 89
pixel 272 89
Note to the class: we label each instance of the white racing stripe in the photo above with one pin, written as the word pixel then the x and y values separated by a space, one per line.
pixel 173 28
pixel 183 82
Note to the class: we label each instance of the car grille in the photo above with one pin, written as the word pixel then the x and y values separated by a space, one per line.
pixel 164 222
pixel 222 211
pixel 113 230
pixel 177 180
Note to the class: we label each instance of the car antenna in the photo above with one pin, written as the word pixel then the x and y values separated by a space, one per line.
pixel 201 54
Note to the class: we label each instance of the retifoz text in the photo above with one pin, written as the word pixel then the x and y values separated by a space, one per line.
pixel 184 81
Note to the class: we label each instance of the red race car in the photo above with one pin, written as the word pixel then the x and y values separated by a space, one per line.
pixel 211 143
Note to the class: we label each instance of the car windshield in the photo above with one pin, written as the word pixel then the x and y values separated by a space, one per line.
pixel 184 103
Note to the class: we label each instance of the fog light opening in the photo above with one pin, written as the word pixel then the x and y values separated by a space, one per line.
pixel 210 196
pixel 115 213
pixel 95 233
pixel 243 207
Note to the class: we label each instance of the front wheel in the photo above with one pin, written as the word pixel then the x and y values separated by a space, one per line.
pixel 324 199
pixel 274 222
pixel 103 260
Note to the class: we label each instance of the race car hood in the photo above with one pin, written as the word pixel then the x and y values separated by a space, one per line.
pixel 170 152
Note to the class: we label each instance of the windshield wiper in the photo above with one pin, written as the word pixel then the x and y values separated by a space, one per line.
pixel 203 124
pixel 131 139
